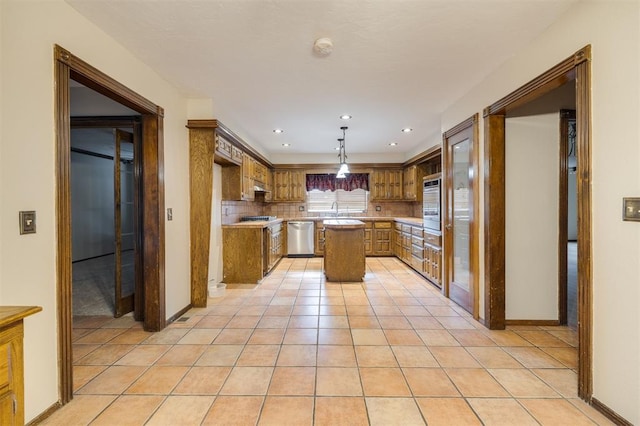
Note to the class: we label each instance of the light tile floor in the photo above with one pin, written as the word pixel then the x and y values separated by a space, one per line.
pixel 298 350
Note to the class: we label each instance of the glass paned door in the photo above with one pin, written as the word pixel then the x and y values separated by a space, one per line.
pixel 459 219
pixel 124 215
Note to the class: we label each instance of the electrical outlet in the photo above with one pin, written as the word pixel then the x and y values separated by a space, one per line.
pixel 378 208
pixel 27 222
pixel 300 208
pixel 169 213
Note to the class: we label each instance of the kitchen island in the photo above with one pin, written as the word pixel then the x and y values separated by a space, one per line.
pixel 344 257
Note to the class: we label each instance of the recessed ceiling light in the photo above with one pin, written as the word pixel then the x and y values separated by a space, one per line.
pixel 346 117
pixel 278 130
pixel 407 130
pixel 286 145
pixel 393 144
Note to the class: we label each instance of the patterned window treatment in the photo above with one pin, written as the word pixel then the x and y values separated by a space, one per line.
pixel 329 182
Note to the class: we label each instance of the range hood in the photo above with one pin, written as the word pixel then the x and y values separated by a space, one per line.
pixel 258 188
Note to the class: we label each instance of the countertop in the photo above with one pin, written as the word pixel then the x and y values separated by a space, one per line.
pixel 416 221
pixel 11 314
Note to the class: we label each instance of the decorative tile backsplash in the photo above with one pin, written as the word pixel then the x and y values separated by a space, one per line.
pixel 232 211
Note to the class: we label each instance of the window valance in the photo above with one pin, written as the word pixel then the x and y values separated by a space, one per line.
pixel 329 182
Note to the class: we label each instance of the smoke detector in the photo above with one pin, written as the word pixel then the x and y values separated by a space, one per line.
pixel 323 46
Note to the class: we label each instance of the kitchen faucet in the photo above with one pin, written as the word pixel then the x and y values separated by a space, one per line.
pixel 336 204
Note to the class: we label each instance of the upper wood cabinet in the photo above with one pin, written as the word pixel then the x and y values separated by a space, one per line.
pixel 386 185
pixel 289 185
pixel 248 165
pixel 225 152
pixel 412 189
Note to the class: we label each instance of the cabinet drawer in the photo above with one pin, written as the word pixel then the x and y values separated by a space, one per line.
pixel 416 263
pixel 416 231
pixel 276 228
pixel 417 241
pixel 382 225
pixel 368 224
pixel 432 239
pixel 417 251
pixel 398 226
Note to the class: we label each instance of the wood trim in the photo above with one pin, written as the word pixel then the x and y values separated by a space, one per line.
pixel 460 127
pixel 45 414
pixel 231 136
pixel 494 222
pixel 63 230
pixel 424 156
pixel 563 181
pixel 153 238
pixel 178 314
pixel 577 67
pixel 201 148
pixel 103 121
pixel 102 83
pixel 355 167
pixel 609 413
pixel 585 267
pixel 67 66
pixel 532 322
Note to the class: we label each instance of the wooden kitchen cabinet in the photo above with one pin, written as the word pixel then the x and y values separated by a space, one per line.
pixel 412 183
pixel 344 258
pixel 248 193
pixel 432 257
pixel 12 363
pixel 250 251
pixel 382 238
pixel 319 240
pixel 289 185
pixel 386 185
pixel 368 240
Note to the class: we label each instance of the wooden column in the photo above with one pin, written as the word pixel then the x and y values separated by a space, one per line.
pixel 201 148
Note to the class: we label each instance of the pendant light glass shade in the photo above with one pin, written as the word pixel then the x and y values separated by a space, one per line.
pixel 342 156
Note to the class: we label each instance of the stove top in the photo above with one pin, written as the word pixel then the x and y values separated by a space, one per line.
pixel 257 218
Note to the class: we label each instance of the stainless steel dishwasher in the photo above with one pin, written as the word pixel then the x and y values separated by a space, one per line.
pixel 300 238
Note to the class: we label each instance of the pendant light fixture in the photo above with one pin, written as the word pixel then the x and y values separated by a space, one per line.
pixel 342 156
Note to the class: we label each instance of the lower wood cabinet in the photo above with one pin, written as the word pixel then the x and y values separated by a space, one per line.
pixel 249 252
pixel 419 248
pixel 12 363
pixel 382 240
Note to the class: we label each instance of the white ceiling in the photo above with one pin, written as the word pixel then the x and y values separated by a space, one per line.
pixel 395 63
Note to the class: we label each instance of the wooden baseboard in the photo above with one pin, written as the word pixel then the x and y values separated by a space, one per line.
pixel 532 322
pixel 178 314
pixel 609 413
pixel 45 414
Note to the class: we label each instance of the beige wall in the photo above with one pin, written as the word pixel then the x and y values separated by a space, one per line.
pixel 531 197
pixel 28 32
pixel 611 27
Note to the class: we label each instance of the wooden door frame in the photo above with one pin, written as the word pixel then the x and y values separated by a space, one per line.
pixel 67 67
pixel 447 180
pixel 566 116
pixel 576 68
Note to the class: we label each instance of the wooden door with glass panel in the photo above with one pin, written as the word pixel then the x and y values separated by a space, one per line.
pixel 460 263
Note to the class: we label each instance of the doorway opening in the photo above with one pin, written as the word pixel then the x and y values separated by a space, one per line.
pixel 105 219
pixel 150 302
pixel 576 69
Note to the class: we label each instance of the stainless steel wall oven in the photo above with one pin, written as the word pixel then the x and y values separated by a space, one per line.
pixel 431 201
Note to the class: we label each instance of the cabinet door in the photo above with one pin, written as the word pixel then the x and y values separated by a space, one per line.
pixel 268 185
pixel 298 184
pixel 319 243
pixel 248 192
pixel 281 185
pixel 394 183
pixel 410 183
pixel 378 185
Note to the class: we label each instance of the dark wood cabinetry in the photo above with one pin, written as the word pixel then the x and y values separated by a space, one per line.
pixel 386 185
pixel 419 248
pixel 289 185
pixel 250 252
pixel 382 240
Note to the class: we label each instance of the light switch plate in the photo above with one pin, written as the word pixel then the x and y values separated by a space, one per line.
pixel 631 209
pixel 169 213
pixel 27 222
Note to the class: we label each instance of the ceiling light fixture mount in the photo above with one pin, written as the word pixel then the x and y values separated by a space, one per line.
pixel 407 130
pixel 278 131
pixel 323 46
pixel 342 156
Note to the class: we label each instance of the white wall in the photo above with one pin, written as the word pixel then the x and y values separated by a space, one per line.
pixel 612 29
pixel 92 210
pixel 28 32
pixel 531 231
